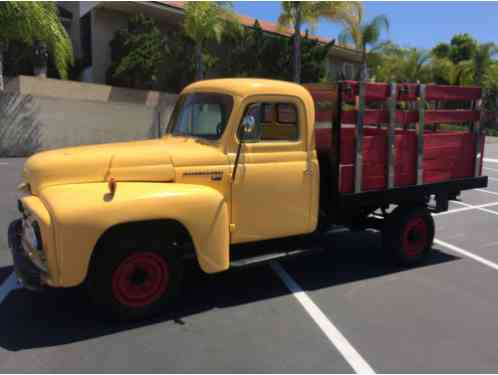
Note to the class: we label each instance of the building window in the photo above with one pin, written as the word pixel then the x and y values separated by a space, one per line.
pixel 86 39
pixel 347 70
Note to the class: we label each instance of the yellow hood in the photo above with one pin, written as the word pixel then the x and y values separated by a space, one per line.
pixel 151 160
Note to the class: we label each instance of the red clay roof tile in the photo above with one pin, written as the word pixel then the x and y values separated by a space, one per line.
pixel 267 26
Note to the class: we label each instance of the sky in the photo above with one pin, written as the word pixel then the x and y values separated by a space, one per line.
pixel 412 23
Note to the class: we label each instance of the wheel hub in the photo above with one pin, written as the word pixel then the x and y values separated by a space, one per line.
pixel 139 276
pixel 415 237
pixel 140 279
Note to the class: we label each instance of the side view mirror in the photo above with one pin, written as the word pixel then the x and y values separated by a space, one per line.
pixel 248 126
pixel 248 130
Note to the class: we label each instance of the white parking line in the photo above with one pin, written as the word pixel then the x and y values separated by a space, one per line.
pixel 489 160
pixel 467 207
pixel 463 204
pixel 8 286
pixel 349 353
pixel 487 191
pixel 477 207
pixel 490 169
pixel 466 253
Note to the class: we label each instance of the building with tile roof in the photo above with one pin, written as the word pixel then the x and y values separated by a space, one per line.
pixel 92 25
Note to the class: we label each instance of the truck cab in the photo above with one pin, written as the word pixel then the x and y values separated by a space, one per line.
pixel 195 191
pixel 238 165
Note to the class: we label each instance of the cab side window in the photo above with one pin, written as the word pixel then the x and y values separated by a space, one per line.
pixel 278 121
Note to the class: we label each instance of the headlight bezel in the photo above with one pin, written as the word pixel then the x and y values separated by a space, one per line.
pixel 32 233
pixel 33 243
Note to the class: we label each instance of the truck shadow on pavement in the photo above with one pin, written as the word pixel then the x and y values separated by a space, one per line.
pixel 61 316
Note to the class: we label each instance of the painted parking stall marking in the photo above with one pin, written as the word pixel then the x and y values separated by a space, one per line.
pixel 467 207
pixel 487 191
pixel 490 169
pixel 349 353
pixel 471 207
pixel 467 253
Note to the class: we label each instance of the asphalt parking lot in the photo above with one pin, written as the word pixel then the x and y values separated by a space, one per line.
pixel 344 310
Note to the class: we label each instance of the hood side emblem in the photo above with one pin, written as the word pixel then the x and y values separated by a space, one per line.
pixel 215 175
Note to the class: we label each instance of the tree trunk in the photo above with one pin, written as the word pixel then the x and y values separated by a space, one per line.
pixel 297 44
pixel 199 69
pixel 3 48
pixel 364 67
pixel 496 109
pixel 1 68
pixel 478 78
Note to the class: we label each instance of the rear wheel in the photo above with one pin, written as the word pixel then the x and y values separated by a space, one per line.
pixel 408 234
pixel 134 284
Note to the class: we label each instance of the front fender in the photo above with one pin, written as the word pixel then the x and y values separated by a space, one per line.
pixel 81 213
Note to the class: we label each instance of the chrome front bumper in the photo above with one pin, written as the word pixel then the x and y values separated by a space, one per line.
pixel 28 274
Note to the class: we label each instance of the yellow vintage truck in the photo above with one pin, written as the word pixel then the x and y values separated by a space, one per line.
pixel 242 161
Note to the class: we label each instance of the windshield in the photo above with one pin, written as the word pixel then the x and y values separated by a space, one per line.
pixel 203 115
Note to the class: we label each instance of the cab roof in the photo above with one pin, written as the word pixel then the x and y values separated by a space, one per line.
pixel 243 87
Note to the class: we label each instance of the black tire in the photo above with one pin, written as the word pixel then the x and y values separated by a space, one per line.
pixel 408 234
pixel 132 284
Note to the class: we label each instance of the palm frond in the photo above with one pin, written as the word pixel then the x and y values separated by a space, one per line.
pixel 345 37
pixel 287 15
pixel 284 21
pixel 28 22
pixel 373 29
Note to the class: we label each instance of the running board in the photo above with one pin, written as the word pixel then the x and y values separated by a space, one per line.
pixel 265 258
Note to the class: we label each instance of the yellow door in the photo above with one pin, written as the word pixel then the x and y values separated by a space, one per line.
pixel 275 190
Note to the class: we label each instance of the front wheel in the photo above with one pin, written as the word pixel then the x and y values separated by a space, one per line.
pixel 408 234
pixel 134 284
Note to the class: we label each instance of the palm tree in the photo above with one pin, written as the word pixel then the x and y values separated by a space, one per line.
pixel 480 62
pixel 205 21
pixel 413 65
pixel 400 64
pixel 445 71
pixel 490 84
pixel 296 13
pixel 363 34
pixel 490 79
pixel 32 22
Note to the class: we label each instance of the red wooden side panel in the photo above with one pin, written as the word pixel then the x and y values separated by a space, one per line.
pixel 379 116
pixel 447 156
pixel 458 93
pixel 408 91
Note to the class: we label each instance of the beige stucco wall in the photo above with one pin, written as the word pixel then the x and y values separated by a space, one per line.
pixel 106 21
pixel 340 56
pixel 39 114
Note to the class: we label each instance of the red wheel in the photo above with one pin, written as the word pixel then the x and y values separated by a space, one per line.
pixel 415 237
pixel 131 285
pixel 408 234
pixel 140 279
